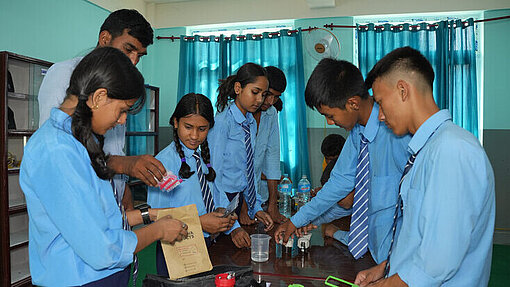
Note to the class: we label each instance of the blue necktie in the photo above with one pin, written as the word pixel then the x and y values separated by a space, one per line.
pixel 358 234
pixel 204 187
pixel 125 226
pixel 250 198
pixel 398 207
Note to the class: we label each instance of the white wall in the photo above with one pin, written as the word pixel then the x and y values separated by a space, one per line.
pixel 227 11
pixel 190 13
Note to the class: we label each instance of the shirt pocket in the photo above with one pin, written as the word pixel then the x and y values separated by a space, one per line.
pixel 384 192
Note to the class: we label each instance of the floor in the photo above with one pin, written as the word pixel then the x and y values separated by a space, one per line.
pixel 500 275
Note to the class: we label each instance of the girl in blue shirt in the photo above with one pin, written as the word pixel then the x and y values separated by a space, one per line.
pixel 189 157
pixel 77 225
pixel 233 142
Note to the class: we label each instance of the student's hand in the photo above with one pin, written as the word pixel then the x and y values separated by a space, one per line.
pixel 284 231
pixel 265 218
pixel 314 191
pixel 330 229
pixel 244 219
pixel 370 275
pixel 171 229
pixel 240 237
pixel 213 222
pixel 347 201
pixel 305 229
pixel 232 217
pixel 144 167
pixel 275 214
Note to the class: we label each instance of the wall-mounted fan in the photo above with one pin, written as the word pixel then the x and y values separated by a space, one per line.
pixel 321 43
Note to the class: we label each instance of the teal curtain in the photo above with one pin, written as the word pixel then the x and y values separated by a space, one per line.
pixel 204 61
pixel 450 46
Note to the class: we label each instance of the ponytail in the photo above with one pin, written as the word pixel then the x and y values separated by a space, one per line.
pixel 81 127
pixel 226 92
pixel 206 157
pixel 246 74
pixel 184 171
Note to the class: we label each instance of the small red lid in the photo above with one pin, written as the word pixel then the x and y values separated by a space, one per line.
pixel 223 281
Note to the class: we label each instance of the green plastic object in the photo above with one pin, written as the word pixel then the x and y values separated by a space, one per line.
pixel 338 280
pixel 296 285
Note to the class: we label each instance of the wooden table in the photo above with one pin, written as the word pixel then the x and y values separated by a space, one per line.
pixel 324 258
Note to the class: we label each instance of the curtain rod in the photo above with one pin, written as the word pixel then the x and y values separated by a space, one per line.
pixel 228 38
pixel 330 26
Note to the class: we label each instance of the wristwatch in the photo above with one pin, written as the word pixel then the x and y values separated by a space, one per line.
pixel 144 210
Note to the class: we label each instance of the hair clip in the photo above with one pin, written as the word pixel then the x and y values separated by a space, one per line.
pixel 183 159
pixel 208 165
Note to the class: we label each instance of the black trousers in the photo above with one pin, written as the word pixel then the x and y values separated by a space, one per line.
pixel 119 279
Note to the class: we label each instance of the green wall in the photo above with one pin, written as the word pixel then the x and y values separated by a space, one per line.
pixel 496 71
pixel 52 30
pixel 161 69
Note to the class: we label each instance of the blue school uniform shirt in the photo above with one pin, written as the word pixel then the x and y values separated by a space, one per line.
pixel 75 225
pixel 52 93
pixel 188 192
pixel 267 151
pixel 228 152
pixel 448 209
pixel 388 155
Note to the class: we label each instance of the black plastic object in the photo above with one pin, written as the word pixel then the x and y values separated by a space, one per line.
pixel 244 278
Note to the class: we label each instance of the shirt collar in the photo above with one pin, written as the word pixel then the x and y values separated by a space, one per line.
pixel 188 153
pixel 370 130
pixel 60 119
pixel 427 129
pixel 238 115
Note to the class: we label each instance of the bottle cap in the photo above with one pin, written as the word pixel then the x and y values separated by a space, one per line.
pixel 225 280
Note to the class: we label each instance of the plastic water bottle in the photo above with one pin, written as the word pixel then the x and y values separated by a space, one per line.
pixel 284 190
pixel 303 192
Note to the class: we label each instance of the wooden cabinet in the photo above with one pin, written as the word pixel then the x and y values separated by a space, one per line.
pixel 20 78
pixel 142 136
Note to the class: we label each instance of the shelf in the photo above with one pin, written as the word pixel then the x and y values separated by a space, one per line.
pixel 18 239
pixel 19 272
pixel 20 132
pixel 141 133
pixel 24 282
pixel 15 204
pixel 14 170
pixel 17 209
pixel 21 96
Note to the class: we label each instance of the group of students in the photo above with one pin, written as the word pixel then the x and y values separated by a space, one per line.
pixel 420 189
pixel 74 169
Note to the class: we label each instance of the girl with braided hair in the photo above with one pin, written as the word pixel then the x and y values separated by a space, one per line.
pixel 188 156
pixel 78 229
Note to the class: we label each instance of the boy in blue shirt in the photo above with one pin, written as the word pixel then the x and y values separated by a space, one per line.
pixel 447 189
pixel 337 90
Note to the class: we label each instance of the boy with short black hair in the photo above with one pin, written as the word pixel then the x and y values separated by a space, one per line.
pixel 446 197
pixel 371 160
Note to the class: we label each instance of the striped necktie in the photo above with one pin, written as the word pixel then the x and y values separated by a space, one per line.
pixel 204 187
pixel 125 226
pixel 250 195
pixel 398 207
pixel 358 235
